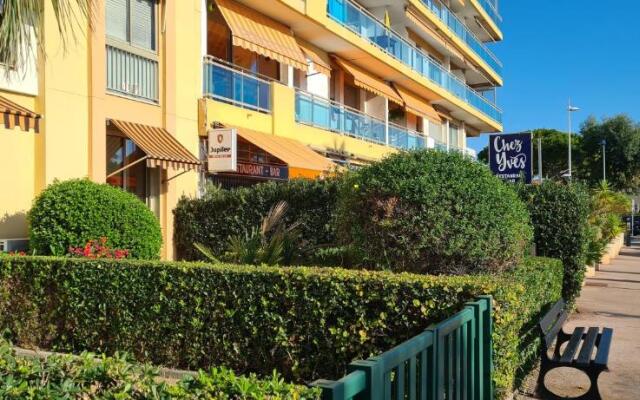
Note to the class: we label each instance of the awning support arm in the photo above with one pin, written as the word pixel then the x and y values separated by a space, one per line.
pixel 175 176
pixel 138 161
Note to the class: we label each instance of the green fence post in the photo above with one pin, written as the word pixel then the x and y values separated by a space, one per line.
pixel 488 347
pixel 374 374
pixel 475 360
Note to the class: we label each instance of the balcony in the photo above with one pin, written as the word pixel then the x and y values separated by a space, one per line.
pixel 329 115
pixel 363 24
pixel 491 7
pixel 464 33
pixel 229 84
pixel 132 73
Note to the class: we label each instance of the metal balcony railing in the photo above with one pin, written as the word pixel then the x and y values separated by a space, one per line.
pixel 491 7
pixel 365 25
pixel 332 116
pixel 132 73
pixel 461 30
pixel 226 83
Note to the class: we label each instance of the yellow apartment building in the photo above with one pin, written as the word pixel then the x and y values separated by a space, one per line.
pixel 302 85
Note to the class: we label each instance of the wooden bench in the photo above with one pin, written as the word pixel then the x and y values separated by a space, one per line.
pixel 586 340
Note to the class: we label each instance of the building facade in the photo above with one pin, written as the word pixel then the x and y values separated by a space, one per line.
pixel 305 85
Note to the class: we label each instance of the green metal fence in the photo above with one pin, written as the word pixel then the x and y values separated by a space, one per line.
pixel 450 360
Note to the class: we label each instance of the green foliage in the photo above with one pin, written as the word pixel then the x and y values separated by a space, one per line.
pixel 72 213
pixel 560 213
pixel 432 212
pixel 90 377
pixel 222 214
pixel 622 136
pixel 306 323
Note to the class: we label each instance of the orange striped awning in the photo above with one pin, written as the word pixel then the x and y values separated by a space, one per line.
pixel 302 160
pixel 259 33
pixel 13 115
pixel 369 82
pixel 321 61
pixel 418 105
pixel 162 149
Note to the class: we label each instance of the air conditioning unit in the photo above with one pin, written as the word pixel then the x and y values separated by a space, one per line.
pixel 7 245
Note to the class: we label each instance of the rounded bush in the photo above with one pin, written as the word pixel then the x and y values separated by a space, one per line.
pixel 73 212
pixel 432 212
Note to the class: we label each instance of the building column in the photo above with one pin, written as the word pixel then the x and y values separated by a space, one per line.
pixel 386 121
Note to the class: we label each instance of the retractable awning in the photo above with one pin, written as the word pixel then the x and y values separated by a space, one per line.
pixel 369 82
pixel 259 33
pixel 321 61
pixel 418 105
pixel 162 149
pixel 302 160
pixel 12 115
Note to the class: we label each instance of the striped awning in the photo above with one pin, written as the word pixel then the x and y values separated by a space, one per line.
pixel 162 149
pixel 369 82
pixel 321 61
pixel 259 33
pixel 12 115
pixel 417 105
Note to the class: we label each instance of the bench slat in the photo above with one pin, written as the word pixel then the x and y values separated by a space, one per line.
pixel 584 358
pixel 550 336
pixel 572 346
pixel 552 315
pixel 604 344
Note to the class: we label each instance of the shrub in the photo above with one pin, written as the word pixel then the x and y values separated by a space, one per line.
pixel 73 213
pixel 86 376
pixel 222 214
pixel 432 212
pixel 560 213
pixel 307 323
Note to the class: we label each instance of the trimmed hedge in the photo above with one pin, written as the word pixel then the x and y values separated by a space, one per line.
pixel 74 212
pixel 225 213
pixel 306 323
pixel 433 212
pixel 84 377
pixel 560 214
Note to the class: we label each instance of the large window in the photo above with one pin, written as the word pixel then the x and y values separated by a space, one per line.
pixel 132 22
pixel 138 179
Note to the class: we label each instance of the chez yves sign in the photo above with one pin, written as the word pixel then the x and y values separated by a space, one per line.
pixel 510 157
pixel 222 156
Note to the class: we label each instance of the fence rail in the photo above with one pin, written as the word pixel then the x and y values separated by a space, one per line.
pixel 450 360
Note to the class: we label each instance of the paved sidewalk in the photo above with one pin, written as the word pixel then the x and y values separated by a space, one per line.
pixel 611 299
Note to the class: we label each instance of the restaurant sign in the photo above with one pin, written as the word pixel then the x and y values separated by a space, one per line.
pixel 222 150
pixel 510 157
pixel 263 170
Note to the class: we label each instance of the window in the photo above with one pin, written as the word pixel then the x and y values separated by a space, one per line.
pixel 454 135
pixel 137 179
pixel 133 22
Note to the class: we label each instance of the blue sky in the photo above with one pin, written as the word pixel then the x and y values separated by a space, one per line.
pixel 556 49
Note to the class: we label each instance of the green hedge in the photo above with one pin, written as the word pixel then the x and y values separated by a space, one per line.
pixel 560 214
pixel 433 212
pixel 88 376
pixel 306 323
pixel 74 212
pixel 224 213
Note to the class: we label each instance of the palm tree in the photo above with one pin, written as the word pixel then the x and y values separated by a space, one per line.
pixel 19 18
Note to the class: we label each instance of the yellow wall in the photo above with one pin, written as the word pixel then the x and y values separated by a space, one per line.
pixel 281 122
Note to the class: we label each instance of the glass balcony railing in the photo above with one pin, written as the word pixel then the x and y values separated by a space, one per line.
pixel 463 32
pixel 329 115
pixel 491 8
pixel 232 85
pixel 362 23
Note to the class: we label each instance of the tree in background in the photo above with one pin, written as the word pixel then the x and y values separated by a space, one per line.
pixel 19 19
pixel 622 137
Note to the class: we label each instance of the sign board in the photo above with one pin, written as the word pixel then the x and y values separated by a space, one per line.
pixel 263 171
pixel 511 156
pixel 222 150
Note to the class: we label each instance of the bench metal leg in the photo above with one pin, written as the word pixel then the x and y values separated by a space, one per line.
pixel 592 394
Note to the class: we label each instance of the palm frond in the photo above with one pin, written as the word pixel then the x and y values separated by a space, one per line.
pixel 206 252
pixel 274 217
pixel 22 19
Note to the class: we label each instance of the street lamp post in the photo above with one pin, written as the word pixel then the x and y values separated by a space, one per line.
pixel 604 159
pixel 570 110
